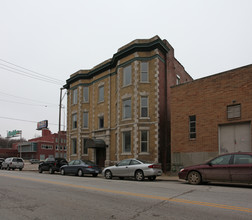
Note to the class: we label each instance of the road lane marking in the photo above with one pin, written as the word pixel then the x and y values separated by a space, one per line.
pixel 216 205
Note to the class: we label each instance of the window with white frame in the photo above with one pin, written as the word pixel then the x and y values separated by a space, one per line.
pixel 74 146
pixel 144 72
pixel 74 100
pixel 126 142
pixel 144 141
pixel 101 94
pixel 127 108
pixel 144 106
pixel 127 76
pixel 85 119
pixel 85 94
pixel 85 149
pixel 74 121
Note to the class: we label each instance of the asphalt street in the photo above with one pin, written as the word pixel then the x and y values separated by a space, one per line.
pixel 30 195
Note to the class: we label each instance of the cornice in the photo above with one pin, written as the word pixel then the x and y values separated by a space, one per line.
pixel 132 48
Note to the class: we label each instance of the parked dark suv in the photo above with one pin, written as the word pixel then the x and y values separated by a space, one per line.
pixel 52 165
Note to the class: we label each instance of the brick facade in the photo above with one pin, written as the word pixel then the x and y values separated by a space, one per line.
pixel 208 99
pixel 125 130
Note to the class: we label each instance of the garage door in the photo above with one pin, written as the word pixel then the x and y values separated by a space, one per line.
pixel 234 138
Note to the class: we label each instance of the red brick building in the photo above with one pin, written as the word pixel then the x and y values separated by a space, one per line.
pixel 48 145
pixel 211 116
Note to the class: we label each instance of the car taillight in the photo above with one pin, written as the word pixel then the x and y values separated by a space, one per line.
pixel 154 166
pixel 10 163
pixel 55 164
pixel 90 167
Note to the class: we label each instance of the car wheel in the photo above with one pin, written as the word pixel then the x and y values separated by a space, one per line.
pixel 151 178
pixel 62 171
pixel 194 178
pixel 40 170
pixel 51 170
pixel 80 172
pixel 139 175
pixel 108 174
pixel 121 178
pixel 95 175
pixel 20 169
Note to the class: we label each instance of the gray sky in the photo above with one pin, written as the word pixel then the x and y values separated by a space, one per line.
pixel 56 38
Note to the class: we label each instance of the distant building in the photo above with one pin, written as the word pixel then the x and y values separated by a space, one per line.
pixel 48 145
pixel 211 116
pixel 121 108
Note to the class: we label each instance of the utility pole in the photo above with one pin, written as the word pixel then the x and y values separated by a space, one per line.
pixel 60 104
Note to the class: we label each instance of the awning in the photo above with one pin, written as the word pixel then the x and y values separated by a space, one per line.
pixel 96 143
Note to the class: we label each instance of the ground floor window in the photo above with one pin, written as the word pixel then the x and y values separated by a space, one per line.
pixel 74 146
pixel 144 141
pixel 192 126
pixel 84 149
pixel 126 142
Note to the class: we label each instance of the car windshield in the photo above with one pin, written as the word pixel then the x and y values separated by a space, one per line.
pixel 19 160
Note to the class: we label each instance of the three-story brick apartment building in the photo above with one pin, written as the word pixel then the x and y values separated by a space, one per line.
pixel 120 108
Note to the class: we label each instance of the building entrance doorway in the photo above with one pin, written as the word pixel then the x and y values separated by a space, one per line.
pixel 234 138
pixel 100 156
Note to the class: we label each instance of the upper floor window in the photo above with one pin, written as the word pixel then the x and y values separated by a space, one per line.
pixel 144 106
pixel 127 76
pixel 85 119
pixel 85 94
pixel 192 126
pixel 101 94
pixel 74 121
pixel 177 79
pixel 126 108
pixel 144 72
pixel 74 97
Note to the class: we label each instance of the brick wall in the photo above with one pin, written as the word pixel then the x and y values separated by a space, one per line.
pixel 207 98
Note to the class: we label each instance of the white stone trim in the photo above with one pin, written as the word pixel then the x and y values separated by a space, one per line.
pixel 157 108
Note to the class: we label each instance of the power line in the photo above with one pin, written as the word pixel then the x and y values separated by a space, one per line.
pixel 31 73
pixel 16 119
pixel 2 100
pixel 33 100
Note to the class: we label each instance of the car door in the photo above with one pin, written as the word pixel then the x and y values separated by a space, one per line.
pixel 241 169
pixel 69 168
pixel 218 169
pixel 122 168
pixel 134 165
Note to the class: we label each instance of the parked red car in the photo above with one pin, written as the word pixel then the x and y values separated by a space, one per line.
pixel 232 167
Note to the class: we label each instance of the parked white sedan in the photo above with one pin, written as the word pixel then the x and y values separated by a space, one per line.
pixel 138 169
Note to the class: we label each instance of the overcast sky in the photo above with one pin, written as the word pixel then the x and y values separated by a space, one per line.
pixel 55 38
